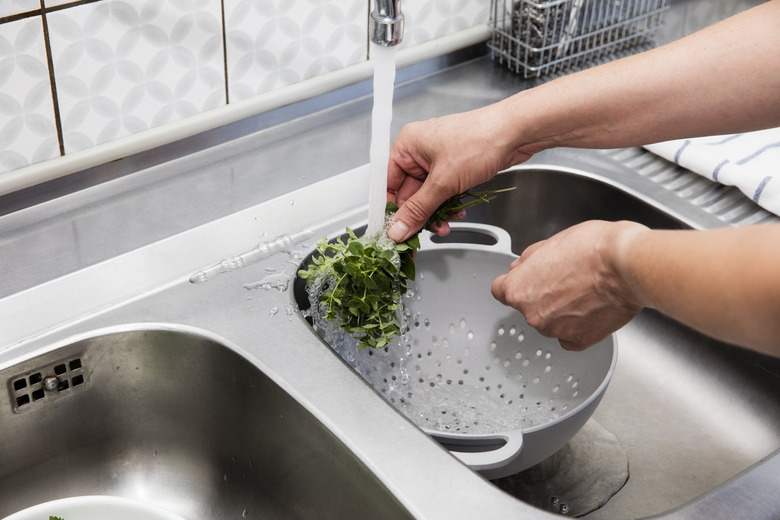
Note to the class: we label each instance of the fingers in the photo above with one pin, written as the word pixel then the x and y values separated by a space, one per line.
pixel 415 211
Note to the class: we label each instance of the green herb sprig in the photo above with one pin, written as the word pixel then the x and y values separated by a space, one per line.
pixel 363 280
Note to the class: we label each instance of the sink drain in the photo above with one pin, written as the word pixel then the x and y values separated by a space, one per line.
pixel 46 383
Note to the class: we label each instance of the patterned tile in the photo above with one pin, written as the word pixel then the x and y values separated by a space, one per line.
pixel 27 130
pixel 123 66
pixel 9 7
pixel 273 43
pixel 430 19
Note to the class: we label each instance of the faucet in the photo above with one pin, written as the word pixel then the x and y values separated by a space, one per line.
pixel 386 26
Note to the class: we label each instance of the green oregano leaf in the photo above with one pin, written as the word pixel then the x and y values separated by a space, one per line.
pixel 363 280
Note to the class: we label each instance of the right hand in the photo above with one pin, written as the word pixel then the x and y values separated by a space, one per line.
pixel 433 160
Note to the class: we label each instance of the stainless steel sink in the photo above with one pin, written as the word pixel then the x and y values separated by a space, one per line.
pixel 689 412
pixel 178 419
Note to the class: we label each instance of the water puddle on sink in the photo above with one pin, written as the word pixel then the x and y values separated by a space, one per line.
pixel 381 116
pixel 579 479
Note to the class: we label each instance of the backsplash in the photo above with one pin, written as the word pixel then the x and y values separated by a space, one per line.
pixel 76 74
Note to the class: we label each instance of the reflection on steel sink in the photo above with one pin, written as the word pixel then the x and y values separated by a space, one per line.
pixel 177 419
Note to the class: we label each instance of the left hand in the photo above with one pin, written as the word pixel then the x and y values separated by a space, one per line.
pixel 571 286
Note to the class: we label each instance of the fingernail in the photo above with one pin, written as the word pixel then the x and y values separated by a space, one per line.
pixel 397 230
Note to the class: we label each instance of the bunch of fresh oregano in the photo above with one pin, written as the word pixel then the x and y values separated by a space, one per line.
pixel 361 280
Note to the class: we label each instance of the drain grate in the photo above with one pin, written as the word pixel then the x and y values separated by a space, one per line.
pixel 46 383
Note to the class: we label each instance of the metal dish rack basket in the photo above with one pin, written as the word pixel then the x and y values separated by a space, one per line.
pixel 538 38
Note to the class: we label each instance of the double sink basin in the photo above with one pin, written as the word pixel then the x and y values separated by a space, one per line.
pixel 216 400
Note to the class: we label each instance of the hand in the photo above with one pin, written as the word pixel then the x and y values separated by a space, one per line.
pixel 571 286
pixel 433 160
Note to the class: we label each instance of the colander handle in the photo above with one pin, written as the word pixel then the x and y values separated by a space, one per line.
pixel 503 242
pixel 475 450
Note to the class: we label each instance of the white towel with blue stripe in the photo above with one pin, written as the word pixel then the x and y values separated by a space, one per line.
pixel 750 161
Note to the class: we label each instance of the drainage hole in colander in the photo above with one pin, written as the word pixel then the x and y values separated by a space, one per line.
pixel 512 330
pixel 501 331
pixel 493 346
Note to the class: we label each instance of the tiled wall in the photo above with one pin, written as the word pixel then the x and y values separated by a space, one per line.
pixel 78 73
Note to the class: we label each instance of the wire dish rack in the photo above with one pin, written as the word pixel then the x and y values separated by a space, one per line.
pixel 538 38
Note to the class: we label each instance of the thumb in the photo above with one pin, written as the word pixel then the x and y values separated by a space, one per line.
pixel 414 213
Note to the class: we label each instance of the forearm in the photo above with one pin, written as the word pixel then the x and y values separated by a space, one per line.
pixel 724 79
pixel 725 282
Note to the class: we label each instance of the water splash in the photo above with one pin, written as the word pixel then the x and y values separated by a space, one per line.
pixel 265 249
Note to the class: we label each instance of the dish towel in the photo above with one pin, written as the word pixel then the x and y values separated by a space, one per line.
pixel 750 161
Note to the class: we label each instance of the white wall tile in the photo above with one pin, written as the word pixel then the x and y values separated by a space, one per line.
pixel 9 7
pixel 430 19
pixel 273 43
pixel 125 66
pixel 27 130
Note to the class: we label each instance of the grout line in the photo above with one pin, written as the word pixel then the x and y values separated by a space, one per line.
pixel 368 36
pixel 19 16
pixel 52 80
pixel 224 53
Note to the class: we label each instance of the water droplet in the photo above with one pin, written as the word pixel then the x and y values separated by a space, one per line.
pixel 225 477
pixel 273 311
pixel 244 513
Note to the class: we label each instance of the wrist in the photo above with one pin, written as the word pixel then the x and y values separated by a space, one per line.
pixel 625 259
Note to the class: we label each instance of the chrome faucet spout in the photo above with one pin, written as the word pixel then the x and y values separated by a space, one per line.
pixel 386 26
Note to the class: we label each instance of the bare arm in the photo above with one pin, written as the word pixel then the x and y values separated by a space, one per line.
pixel 723 79
pixel 725 282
